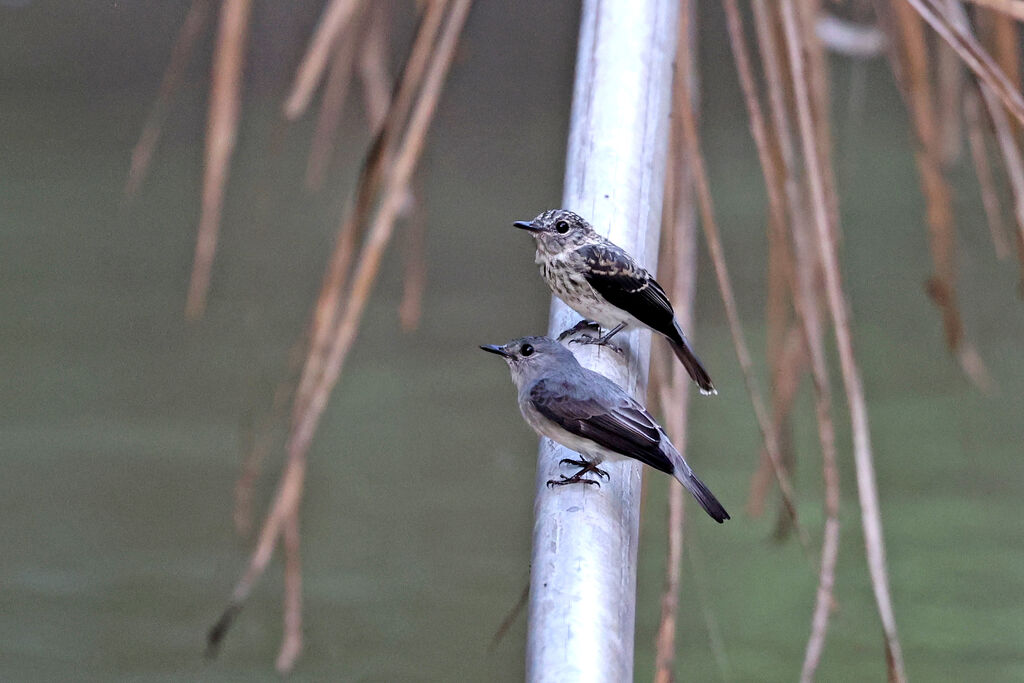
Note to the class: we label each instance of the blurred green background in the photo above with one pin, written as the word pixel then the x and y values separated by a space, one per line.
pixel 121 425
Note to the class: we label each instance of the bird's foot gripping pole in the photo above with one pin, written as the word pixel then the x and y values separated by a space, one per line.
pixel 586 467
pixel 580 329
pixel 577 338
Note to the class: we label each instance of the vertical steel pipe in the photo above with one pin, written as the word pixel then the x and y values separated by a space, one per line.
pixel 583 576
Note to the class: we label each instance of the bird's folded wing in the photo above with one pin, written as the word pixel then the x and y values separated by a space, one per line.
pixel 618 423
pixel 626 285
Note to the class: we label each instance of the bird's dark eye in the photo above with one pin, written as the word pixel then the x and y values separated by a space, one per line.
pixel 562 227
pixel 525 350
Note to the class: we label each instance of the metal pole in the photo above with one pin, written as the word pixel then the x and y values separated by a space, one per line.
pixel 583 577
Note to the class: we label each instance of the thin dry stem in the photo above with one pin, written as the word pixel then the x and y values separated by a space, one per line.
pixel 196 19
pixel 776 73
pixel 289 492
pixel 807 305
pixel 817 73
pixel 378 237
pixel 824 598
pixel 1011 8
pixel 412 76
pixel 776 77
pixel 1006 46
pixel 335 18
pixel 1011 154
pixel 916 84
pixel 291 642
pixel 665 640
pixel 410 310
pixel 228 63
pixel 326 310
pixel 1012 161
pixel 776 175
pixel 968 356
pixel 681 246
pixel 787 371
pixel 286 499
pixel 941 287
pixel 380 232
pixel 866 485
pixel 331 108
pixel 974 56
pixel 373 68
pixel 510 617
pixel 256 455
pixel 950 94
pixel 770 163
pixel 983 171
pixel 710 226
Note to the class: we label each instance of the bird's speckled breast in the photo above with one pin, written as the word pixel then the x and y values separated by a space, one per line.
pixel 564 275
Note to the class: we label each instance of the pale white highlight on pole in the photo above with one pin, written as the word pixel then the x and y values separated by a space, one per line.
pixel 583 577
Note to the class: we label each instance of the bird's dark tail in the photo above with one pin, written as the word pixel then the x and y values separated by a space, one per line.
pixel 682 471
pixel 701 492
pixel 690 361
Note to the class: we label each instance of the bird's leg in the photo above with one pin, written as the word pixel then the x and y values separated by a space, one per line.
pixel 582 325
pixel 586 467
pixel 603 340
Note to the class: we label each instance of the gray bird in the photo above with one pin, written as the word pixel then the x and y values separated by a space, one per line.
pixel 590 414
pixel 602 282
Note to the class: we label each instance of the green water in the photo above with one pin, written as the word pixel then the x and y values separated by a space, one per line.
pixel 120 425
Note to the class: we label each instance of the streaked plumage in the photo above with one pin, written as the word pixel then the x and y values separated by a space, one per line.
pixel 602 282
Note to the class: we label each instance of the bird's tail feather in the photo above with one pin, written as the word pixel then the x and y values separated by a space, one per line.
pixel 690 361
pixel 701 492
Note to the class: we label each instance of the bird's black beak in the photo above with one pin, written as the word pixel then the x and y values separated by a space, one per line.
pixel 500 350
pixel 527 225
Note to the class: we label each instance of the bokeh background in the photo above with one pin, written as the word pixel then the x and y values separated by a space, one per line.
pixel 121 425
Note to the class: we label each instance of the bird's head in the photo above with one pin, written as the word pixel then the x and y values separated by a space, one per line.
pixel 531 356
pixel 558 230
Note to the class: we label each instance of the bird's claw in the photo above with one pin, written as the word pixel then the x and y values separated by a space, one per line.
pixel 585 467
pixel 574 479
pixel 577 328
pixel 601 341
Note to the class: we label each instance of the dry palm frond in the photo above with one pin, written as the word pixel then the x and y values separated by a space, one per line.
pixel 357 215
pixel 802 274
pixel 710 226
pixel 339 334
pixel 911 64
pixel 867 487
pixel 775 169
